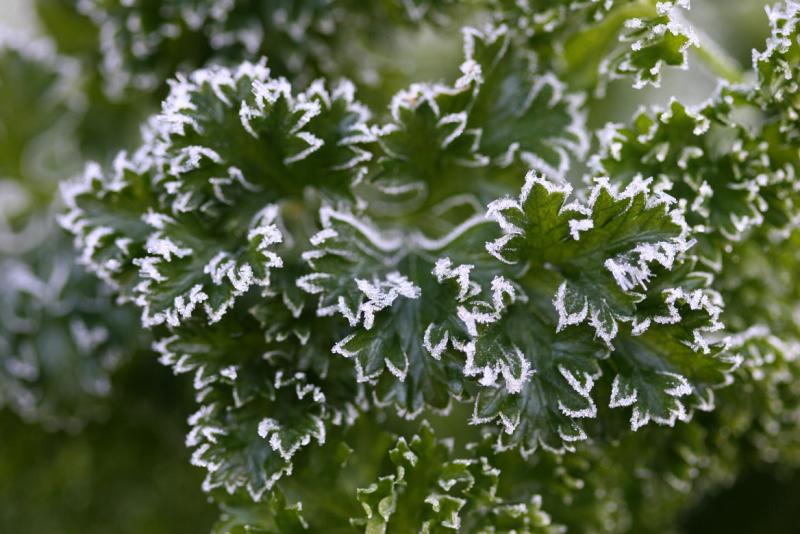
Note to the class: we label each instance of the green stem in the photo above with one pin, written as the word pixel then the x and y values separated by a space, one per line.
pixel 717 59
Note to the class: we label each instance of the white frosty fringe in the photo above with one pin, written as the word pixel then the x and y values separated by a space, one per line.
pixel 581 384
pixel 626 394
pixel 437 337
pixel 546 92
pixel 490 35
pixel 622 394
pixel 236 269
pixel 399 372
pixel 754 171
pixel 381 249
pixel 704 300
pixel 503 293
pixel 178 112
pixel 180 363
pixel 453 125
pixel 676 25
pixel 630 269
pixel 444 270
pixel 340 348
pixel 497 209
pixel 511 365
pixel 576 226
pixel 125 41
pixel 783 19
pixel 574 140
pixel 182 307
pixel 435 347
pixel 572 307
pixel 380 294
pixel 271 430
pixel 420 241
pixel 209 454
pixel 92 239
pixel 285 440
pixel 330 218
pixel 161 247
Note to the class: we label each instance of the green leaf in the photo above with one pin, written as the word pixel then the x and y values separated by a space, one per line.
pixel 144 43
pixel 431 491
pixel 275 516
pixel 326 276
pixel 535 383
pixel 726 181
pixel 776 67
pixel 277 141
pixel 547 377
pixel 250 442
pixel 420 374
pixel 649 43
pixel 429 146
pixel 405 318
pixel 105 215
pixel 350 250
pixel 446 140
pixel 177 278
pixel 219 129
pixel 620 258
pixel 664 371
pixel 520 112
pixel 600 252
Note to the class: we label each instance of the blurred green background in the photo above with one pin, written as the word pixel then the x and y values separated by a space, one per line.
pixel 127 474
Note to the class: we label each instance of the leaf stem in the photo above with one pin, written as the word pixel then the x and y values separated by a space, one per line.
pixel 716 59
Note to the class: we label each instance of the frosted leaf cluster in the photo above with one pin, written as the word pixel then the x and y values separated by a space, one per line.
pixel 59 330
pixel 143 44
pixel 335 263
